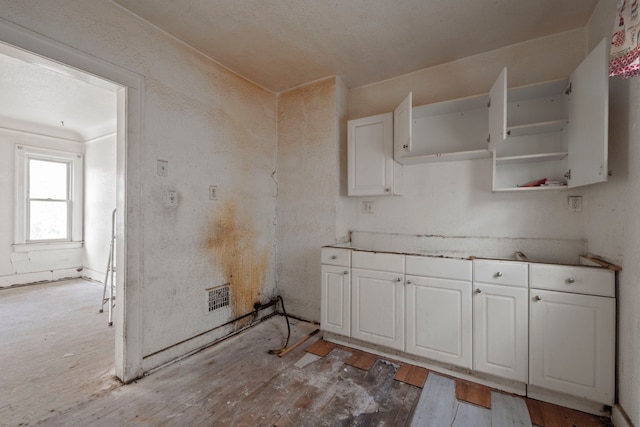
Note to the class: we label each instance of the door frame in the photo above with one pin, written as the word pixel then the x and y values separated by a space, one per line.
pixel 129 87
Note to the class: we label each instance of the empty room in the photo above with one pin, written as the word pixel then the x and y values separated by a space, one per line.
pixel 301 213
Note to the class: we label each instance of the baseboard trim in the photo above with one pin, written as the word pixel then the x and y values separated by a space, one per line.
pixel 38 277
pixel 619 417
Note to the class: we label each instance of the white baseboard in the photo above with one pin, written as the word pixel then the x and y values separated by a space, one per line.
pixel 619 417
pixel 96 276
pixel 39 276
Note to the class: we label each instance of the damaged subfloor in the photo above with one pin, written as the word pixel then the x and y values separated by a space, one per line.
pixel 237 382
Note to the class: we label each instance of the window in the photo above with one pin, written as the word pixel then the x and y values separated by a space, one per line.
pixel 48 196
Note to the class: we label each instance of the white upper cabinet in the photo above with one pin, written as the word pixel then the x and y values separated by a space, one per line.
pixel 498 111
pixel 554 131
pixel 402 119
pixel 371 169
pixel 589 118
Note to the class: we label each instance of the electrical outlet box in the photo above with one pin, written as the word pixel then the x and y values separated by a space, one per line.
pixel 163 168
pixel 213 192
pixel 575 203
pixel 172 198
pixel 368 206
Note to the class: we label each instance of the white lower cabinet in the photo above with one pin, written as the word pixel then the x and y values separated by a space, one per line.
pixel 572 344
pixel 335 309
pixel 500 330
pixel 439 319
pixel 378 307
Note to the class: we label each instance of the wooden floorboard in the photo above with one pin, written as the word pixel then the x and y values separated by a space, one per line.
pixel 320 348
pixel 412 374
pixel 545 414
pixel 508 410
pixel 56 351
pixel 437 405
pixel 362 360
pixel 473 393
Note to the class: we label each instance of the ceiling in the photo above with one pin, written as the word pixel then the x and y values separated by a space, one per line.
pixel 280 44
pixel 42 97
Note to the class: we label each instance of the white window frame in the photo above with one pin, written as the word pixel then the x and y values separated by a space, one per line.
pixel 23 154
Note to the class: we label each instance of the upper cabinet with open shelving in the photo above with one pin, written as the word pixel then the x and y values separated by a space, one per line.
pixel 554 130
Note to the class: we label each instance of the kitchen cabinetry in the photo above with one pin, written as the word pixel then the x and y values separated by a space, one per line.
pixel 500 319
pixel 572 343
pixel 335 306
pixel 371 168
pixel 378 295
pixel 443 131
pixel 438 309
pixel 554 130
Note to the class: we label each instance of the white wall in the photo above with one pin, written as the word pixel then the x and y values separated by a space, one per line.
pixel 34 265
pixel 455 198
pixel 99 202
pixel 613 224
pixel 308 188
pixel 214 128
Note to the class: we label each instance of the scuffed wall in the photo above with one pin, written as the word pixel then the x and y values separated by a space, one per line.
pixel 308 188
pixel 455 198
pixel 99 203
pixel 214 128
pixel 613 224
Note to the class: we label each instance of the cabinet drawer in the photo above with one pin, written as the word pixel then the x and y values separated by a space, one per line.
pixel 500 272
pixel 442 268
pixel 336 256
pixel 378 261
pixel 580 280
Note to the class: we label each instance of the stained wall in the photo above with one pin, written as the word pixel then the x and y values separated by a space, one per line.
pixel 214 128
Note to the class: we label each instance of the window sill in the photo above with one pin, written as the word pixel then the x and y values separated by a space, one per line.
pixel 41 246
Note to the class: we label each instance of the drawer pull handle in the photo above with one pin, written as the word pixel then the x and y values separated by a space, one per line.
pixel 499 274
pixel 398 279
pixel 478 290
pixel 571 280
pixel 346 272
pixel 408 282
pixel 537 298
pixel 334 257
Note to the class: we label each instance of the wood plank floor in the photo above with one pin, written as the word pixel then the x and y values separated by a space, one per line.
pixel 56 350
pixel 238 383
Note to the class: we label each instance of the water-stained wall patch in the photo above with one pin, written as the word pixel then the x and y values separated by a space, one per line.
pixel 233 242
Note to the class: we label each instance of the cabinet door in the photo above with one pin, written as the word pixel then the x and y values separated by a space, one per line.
pixel 370 156
pixel 439 319
pixel 335 307
pixel 498 111
pixel 572 344
pixel 402 128
pixel 500 331
pixel 378 307
pixel 588 119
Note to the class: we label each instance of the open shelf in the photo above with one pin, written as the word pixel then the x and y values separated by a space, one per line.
pixel 529 158
pixel 537 128
pixel 550 188
pixel 444 157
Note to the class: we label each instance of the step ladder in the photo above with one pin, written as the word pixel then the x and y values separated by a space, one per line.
pixel 108 277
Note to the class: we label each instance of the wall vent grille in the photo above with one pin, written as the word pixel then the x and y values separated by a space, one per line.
pixel 218 297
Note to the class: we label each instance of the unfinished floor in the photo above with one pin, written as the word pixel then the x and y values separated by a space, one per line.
pixel 238 383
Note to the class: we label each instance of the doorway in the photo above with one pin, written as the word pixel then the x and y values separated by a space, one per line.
pixel 128 88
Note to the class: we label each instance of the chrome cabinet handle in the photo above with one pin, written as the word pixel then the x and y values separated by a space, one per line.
pixel 387 190
pixel 537 298
pixel 498 274
pixel 570 280
pixel 334 257
pixel 408 282
pixel 346 272
pixel 478 290
pixel 399 279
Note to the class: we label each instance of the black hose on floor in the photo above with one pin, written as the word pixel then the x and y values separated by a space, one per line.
pixel 280 350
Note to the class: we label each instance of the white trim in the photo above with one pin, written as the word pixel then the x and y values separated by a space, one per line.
pixel 45 246
pixel 130 99
pixel 38 276
pixel 619 417
pixel 76 172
